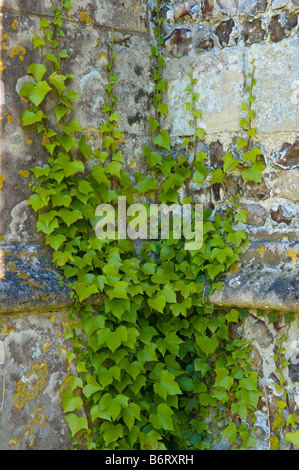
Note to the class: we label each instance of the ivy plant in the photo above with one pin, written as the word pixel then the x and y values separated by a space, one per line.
pixel 158 366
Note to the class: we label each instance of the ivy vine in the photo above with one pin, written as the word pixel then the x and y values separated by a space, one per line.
pixel 158 366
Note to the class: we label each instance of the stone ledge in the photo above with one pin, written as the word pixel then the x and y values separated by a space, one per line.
pixel 28 280
pixel 267 278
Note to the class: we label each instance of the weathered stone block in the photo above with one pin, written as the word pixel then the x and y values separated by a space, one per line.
pixel 122 14
pixel 286 185
pixel 219 84
pixel 288 156
pixel 281 26
pixel 253 31
pixel 276 69
pixel 223 31
pixel 32 375
pixel 252 8
pixel 266 278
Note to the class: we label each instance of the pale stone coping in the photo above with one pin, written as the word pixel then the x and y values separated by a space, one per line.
pixel 129 17
pixel 267 277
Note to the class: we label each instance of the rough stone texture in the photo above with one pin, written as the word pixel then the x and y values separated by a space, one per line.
pixel 281 26
pixel 122 14
pixel 223 31
pixel 288 156
pixel 220 38
pixel 286 185
pixel 32 374
pixel 253 31
pixel 266 278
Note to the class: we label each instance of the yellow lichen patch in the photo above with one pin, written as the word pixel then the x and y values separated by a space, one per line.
pixel 11 266
pixel 2 178
pixel 45 346
pixel 4 329
pixel 261 250
pixel 14 24
pixel 85 18
pixel 133 163
pixel 53 318
pixel 19 50
pixel 234 269
pixel 24 173
pixel 137 6
pixel 13 443
pixel 29 142
pixel 293 254
pixel 37 418
pixel 62 350
pixel 1 65
pixel 28 432
pixel 93 138
pixel 152 195
pixel 101 55
pixel 10 118
pixel 30 385
pixel 6 36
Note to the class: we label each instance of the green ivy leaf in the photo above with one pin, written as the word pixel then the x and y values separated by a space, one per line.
pixel 206 344
pixel 70 402
pixel 57 81
pixel 154 124
pixel 162 139
pixel 163 418
pixel 37 70
pixel 53 58
pixel 76 423
pixel 157 303
pixel 230 432
pixel 241 143
pixel 111 432
pixel 30 117
pixel 229 162
pixel 254 173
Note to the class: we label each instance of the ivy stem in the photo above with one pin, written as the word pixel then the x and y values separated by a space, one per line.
pixel 195 128
pixel 249 128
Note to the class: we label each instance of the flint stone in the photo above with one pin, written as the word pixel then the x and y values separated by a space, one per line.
pixel 288 156
pixel 276 4
pixel 207 8
pixel 266 278
pixel 256 214
pixel 281 26
pixel 253 31
pixel 228 7
pixel 286 185
pixel 281 215
pixel 257 191
pixel 203 40
pixel 252 8
pixel 178 43
pixel 223 31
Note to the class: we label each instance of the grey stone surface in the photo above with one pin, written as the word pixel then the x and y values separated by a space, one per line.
pixel 33 372
pixel 29 281
pixel 121 14
pixel 223 38
pixel 266 278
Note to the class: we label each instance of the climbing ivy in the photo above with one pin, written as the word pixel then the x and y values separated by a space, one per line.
pixel 158 366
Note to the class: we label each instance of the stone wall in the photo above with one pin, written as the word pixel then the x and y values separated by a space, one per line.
pixel 220 38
